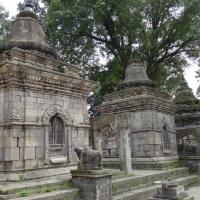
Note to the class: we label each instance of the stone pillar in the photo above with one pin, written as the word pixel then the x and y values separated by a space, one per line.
pixel 46 144
pixel 125 151
pixel 94 184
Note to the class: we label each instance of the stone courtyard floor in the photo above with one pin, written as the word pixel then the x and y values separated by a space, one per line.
pixel 195 192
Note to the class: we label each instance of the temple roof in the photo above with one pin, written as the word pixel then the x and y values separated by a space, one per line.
pixel 27 32
pixel 184 94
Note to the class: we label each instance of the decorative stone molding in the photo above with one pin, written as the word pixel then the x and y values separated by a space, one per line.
pixel 53 110
pixel 35 81
pixel 15 114
pixel 136 104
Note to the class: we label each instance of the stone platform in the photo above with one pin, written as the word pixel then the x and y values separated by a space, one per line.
pixel 35 174
pixel 136 186
pixel 145 163
pixel 140 185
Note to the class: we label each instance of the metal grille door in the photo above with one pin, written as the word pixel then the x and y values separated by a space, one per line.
pixel 57 145
pixel 56 131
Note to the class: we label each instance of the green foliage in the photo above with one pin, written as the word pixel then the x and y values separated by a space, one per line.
pixel 161 33
pixel 4 25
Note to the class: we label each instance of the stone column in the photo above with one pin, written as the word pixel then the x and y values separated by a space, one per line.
pixel 94 184
pixel 46 144
pixel 125 151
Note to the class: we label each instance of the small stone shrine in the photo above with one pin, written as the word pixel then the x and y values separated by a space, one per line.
pixel 43 101
pixel 142 112
pixel 171 191
pixel 187 119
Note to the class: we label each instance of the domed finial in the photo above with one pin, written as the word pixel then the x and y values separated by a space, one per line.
pixel 136 73
pixel 29 5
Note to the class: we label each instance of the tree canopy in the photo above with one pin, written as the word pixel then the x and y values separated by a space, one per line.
pixel 4 25
pixel 102 35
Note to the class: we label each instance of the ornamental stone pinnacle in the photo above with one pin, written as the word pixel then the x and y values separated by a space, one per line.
pixel 136 74
pixel 27 32
pixel 184 94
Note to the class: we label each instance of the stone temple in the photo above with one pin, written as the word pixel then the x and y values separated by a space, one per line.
pixel 43 110
pixel 44 129
pixel 146 112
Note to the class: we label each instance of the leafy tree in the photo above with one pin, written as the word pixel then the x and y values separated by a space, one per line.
pixel 162 33
pixel 4 25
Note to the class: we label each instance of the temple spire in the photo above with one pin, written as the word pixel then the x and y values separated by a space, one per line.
pixel 184 94
pixel 27 32
pixel 29 4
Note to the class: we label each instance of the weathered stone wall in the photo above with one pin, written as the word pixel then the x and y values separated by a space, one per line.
pixel 145 132
pixel 29 98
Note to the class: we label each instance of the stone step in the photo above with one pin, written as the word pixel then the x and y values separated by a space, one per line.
pixel 11 188
pixel 35 174
pixel 70 194
pixel 145 193
pixel 150 176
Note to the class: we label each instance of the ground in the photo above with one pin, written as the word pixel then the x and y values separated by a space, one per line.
pixel 195 192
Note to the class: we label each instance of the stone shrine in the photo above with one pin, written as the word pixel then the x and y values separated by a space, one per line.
pixel 43 110
pixel 187 119
pixel 146 112
pixel 171 191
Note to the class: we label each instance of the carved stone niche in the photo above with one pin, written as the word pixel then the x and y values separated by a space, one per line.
pixel 110 142
pixel 187 145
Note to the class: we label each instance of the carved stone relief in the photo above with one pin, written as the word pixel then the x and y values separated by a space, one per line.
pixel 187 145
pixel 53 110
pixel 15 114
pixel 110 142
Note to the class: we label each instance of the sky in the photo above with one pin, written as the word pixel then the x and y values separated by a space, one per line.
pixel 190 72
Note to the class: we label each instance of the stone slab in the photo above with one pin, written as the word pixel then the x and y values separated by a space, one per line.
pixel 10 188
pixel 70 194
pixel 35 174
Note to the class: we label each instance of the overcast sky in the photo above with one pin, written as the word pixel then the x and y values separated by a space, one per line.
pixel 190 72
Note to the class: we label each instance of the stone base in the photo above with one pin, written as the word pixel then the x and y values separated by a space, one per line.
pixel 193 162
pixel 156 162
pixel 94 184
pixel 145 163
pixel 186 198
pixel 35 174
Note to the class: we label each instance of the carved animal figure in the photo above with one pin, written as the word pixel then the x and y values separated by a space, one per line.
pixel 89 159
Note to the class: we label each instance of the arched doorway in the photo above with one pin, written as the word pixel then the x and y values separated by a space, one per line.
pixel 56 136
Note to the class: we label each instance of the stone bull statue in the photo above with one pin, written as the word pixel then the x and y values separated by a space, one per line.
pixel 89 159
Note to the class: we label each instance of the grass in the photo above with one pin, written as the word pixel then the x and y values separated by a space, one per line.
pixel 44 189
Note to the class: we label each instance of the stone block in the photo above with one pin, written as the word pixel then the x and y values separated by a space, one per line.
pixel 29 153
pixel 39 152
pixel 40 100
pixel 18 98
pixel 21 153
pixel 1 154
pixel 33 141
pixel 10 142
pixel 95 185
pixel 11 154
pixel 17 165
pixel 30 164
pixel 17 133
pixel 21 142
pixel 31 114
